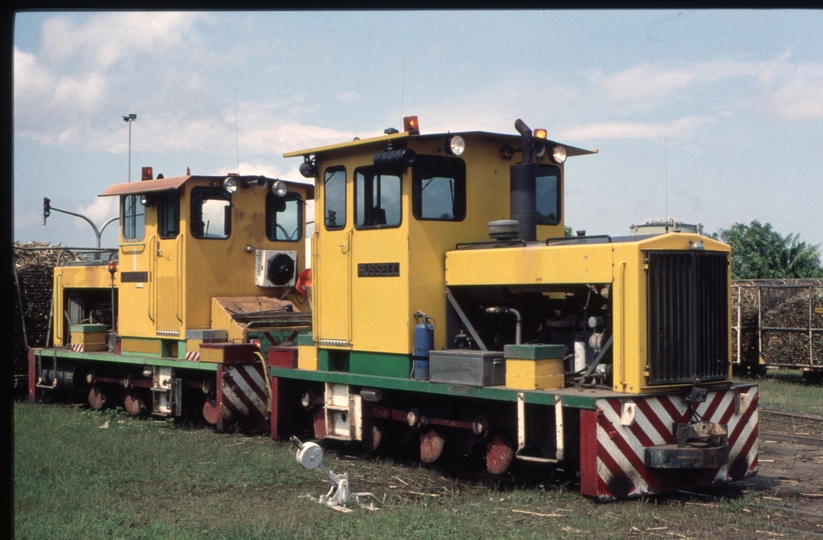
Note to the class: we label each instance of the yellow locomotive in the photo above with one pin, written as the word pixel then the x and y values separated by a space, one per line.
pixel 445 312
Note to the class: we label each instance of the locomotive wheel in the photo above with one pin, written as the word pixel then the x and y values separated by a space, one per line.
pixel 431 446
pixel 499 456
pixel 211 412
pixel 97 399
pixel 373 436
pixel 134 404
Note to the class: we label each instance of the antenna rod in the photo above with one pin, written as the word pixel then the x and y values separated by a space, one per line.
pixel 236 143
pixel 666 175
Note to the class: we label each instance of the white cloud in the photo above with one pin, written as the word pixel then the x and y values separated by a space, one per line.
pixel 349 96
pixel 801 96
pixel 681 128
pixel 108 38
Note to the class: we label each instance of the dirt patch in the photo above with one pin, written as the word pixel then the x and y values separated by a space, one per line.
pixel 790 472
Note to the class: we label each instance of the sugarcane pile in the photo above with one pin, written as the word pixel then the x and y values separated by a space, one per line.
pixel 33 268
pixel 784 320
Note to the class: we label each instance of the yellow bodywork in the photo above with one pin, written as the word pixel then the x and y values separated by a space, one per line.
pixel 71 278
pixel 377 313
pixel 545 374
pixel 621 265
pixel 178 277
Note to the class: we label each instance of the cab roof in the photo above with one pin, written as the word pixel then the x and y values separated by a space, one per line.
pixel 508 139
pixel 168 184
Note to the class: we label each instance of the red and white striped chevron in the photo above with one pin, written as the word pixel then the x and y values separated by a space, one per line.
pixel 620 470
pixel 77 347
pixel 192 356
pixel 243 395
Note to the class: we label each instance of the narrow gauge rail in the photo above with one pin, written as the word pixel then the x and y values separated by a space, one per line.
pixel 439 307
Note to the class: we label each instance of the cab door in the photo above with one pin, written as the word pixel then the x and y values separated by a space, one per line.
pixel 332 260
pixel 167 255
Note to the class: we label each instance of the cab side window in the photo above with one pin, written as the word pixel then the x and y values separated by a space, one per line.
pixel 548 195
pixel 168 214
pixel 210 213
pixel 133 218
pixel 376 198
pixel 284 217
pixel 334 198
pixel 439 188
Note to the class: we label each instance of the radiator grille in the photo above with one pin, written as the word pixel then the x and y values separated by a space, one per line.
pixel 688 317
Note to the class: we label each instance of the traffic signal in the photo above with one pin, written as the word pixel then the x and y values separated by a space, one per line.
pixel 46 209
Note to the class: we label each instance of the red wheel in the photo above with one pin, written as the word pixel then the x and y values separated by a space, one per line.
pixel 499 456
pixel 431 446
pixel 134 404
pixel 372 435
pixel 97 399
pixel 211 412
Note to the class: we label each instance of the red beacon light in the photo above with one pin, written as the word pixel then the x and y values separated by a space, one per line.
pixel 540 133
pixel 411 125
pixel 112 267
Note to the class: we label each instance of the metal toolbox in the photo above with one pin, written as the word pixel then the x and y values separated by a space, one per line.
pixel 472 368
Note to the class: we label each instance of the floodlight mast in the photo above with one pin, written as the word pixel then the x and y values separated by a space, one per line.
pixel 129 119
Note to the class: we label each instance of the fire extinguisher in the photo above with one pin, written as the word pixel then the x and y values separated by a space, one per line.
pixel 423 343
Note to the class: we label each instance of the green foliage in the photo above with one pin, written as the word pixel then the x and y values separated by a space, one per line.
pixel 760 252
pixel 568 231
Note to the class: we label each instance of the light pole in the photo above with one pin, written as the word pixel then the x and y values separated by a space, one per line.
pixel 129 119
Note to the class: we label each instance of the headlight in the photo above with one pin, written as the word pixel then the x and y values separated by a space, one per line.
pixel 559 154
pixel 455 145
pixel 230 185
pixel 279 188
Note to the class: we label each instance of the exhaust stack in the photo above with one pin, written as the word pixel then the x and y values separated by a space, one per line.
pixel 522 187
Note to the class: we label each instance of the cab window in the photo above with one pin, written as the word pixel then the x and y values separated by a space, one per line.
pixel 134 218
pixel 439 188
pixel 210 213
pixel 548 195
pixel 376 198
pixel 168 214
pixel 334 198
pixel 284 217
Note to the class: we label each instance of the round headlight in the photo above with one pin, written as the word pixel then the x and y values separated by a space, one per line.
pixel 230 185
pixel 279 188
pixel 559 154
pixel 456 145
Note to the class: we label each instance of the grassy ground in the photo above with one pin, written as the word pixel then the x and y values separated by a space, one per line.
pixel 82 474
pixel 786 390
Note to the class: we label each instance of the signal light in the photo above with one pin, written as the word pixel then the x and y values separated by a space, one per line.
pixel 411 125
pixel 539 133
pixel 46 209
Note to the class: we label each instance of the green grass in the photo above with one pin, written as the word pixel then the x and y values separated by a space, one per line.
pixel 786 390
pixel 81 474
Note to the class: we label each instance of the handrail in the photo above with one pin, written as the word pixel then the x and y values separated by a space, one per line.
pixel 56 308
pixel 153 276
pixel 350 270
pixel 178 274
pixel 622 334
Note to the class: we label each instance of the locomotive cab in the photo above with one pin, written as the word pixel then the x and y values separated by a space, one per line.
pixel 192 247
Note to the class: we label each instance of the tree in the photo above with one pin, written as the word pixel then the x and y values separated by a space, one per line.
pixel 760 252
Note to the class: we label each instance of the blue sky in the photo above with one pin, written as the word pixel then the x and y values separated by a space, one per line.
pixel 705 116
